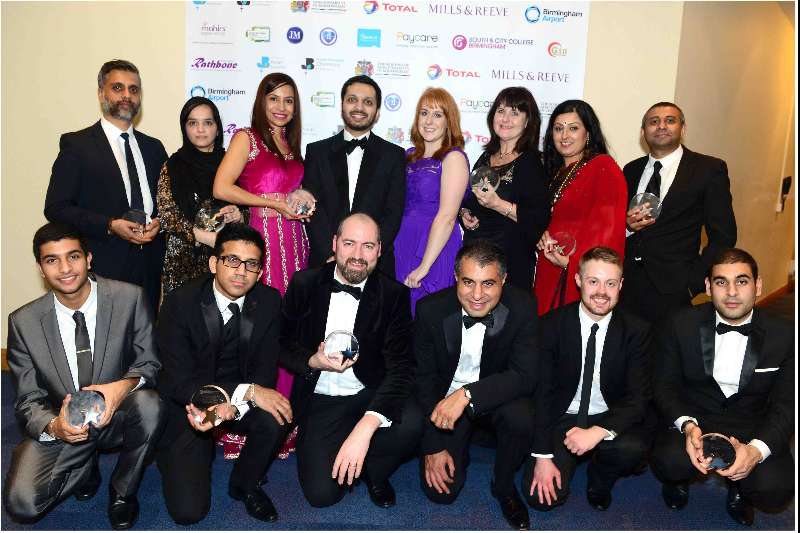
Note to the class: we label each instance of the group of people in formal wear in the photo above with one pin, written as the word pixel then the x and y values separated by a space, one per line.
pixel 493 313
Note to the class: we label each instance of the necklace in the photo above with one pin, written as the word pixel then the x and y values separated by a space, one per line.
pixel 570 173
pixel 501 155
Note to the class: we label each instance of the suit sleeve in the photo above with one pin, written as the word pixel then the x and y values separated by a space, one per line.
pixel 294 354
pixel 668 373
pixel 778 426
pixel 426 380
pixel 543 416
pixel 64 190
pixel 261 369
pixel 144 360
pixel 720 223
pixel 178 381
pixel 396 197
pixel 319 231
pixel 533 204
pixel 32 406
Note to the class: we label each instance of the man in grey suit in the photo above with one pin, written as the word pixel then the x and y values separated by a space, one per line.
pixel 86 334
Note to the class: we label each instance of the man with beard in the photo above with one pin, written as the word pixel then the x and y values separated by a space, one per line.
pixel 725 367
pixel 355 414
pixel 355 171
pixel 104 183
pixel 663 269
pixel 596 388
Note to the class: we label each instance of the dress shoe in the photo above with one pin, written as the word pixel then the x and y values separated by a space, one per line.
pixel 122 510
pixel 381 494
pixel 599 499
pixel 676 495
pixel 514 510
pixel 737 507
pixel 257 504
pixel 92 483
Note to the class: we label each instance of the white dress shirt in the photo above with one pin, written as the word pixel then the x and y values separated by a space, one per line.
pixel 237 399
pixel 597 403
pixel 342 311
pixel 469 360
pixel 117 144
pixel 729 350
pixel 669 168
pixel 353 165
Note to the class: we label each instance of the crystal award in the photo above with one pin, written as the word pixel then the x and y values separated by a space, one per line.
pixel 719 449
pixel 649 203
pixel 484 178
pixel 85 407
pixel 207 397
pixel 343 342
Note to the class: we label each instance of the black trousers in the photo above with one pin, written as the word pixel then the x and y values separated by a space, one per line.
pixel 185 463
pixel 641 297
pixel 610 460
pixel 512 424
pixel 44 473
pixel 770 485
pixel 328 421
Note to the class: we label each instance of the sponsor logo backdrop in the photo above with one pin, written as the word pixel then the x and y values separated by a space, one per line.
pixel 473 49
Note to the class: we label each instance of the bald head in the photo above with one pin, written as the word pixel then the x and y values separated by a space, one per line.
pixel 362 220
pixel 357 246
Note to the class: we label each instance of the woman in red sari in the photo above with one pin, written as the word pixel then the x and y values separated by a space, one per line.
pixel 588 198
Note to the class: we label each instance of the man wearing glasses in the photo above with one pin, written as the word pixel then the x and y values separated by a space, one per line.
pixel 221 330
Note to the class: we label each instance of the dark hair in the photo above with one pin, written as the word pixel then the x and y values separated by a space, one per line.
pixel 358 214
pixel 729 256
pixel 484 252
pixel 259 123
pixel 188 107
pixel 596 143
pixel 236 231
pixel 664 104
pixel 56 231
pixel 600 253
pixel 366 80
pixel 522 100
pixel 115 64
pixel 453 138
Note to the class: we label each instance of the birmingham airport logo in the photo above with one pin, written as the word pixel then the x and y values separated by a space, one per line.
pixel 370 7
pixel 533 14
pixel 258 34
pixel 434 71
pixel 323 99
pixel 197 90
pixel 392 102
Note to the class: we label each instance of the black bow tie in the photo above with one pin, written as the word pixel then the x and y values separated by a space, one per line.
pixel 470 321
pixel 352 144
pixel 745 329
pixel 355 292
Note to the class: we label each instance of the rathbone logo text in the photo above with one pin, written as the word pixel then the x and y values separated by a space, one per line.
pixel 215 64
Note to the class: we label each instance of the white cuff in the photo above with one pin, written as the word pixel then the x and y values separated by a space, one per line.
pixel 139 385
pixel 46 437
pixel 238 401
pixel 762 447
pixel 385 422
pixel 681 419
pixel 542 455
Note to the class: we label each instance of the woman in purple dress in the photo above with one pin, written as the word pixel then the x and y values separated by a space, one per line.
pixel 263 169
pixel 437 173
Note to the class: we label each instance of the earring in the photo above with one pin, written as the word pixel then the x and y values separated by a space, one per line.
pixel 587 139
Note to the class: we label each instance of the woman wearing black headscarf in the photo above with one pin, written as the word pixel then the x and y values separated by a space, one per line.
pixel 184 187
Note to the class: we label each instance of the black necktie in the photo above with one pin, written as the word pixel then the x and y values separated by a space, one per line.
pixel 745 329
pixel 83 350
pixel 470 321
pixel 352 144
pixel 588 375
pixel 355 292
pixel 654 185
pixel 133 175
pixel 231 329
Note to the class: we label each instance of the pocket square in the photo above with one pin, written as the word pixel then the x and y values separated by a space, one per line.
pixel 766 369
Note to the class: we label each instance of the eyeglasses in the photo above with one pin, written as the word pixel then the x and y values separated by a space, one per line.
pixel 231 261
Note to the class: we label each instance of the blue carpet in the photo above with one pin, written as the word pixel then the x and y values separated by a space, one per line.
pixel 637 502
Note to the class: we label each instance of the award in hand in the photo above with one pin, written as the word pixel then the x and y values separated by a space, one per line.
pixel 719 449
pixel 207 397
pixel 484 178
pixel 208 217
pixel 343 342
pixel 650 204
pixel 303 207
pixel 85 407
pixel 137 216
pixel 564 242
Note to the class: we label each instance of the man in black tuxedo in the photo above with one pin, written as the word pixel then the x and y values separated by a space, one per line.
pixel 596 385
pixel 356 171
pixel 221 330
pixel 477 363
pixel 87 333
pixel 355 415
pixel 727 368
pixel 106 170
pixel 663 269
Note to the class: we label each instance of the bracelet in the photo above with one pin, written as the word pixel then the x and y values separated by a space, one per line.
pixel 49 427
pixel 510 208
pixel 251 391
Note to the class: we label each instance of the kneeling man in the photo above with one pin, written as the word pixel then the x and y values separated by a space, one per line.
pixel 596 389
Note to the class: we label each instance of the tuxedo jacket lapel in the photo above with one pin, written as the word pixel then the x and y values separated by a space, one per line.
pixel 57 353
pixel 105 310
pixel 707 340
pixel 452 337
pixel 608 361
pixel 321 300
pixel 752 353
pixel 635 176
pixel 106 155
pixel 250 330
pixel 491 337
pixel 212 318
pixel 368 163
pixel 572 345
pixel 683 178
pixel 369 308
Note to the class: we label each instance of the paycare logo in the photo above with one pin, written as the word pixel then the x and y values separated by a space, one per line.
pixel 328 36
pixel 416 40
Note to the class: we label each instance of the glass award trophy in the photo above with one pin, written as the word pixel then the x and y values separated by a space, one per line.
pixel 719 449
pixel 565 242
pixel 207 397
pixel 650 204
pixel 137 216
pixel 484 178
pixel 85 407
pixel 343 342
pixel 303 207
pixel 208 217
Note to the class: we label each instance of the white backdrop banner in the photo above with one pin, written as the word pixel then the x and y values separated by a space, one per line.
pixel 472 49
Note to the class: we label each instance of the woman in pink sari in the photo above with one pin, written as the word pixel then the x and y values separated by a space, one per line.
pixel 263 169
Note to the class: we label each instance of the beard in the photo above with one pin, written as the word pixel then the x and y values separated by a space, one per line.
pixel 117 112
pixel 367 126
pixel 353 276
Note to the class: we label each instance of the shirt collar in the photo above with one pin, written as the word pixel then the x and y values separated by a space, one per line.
pixel 86 305
pixel 587 321
pixel 668 160
pixel 338 278
pixel 349 137
pixel 223 301
pixel 746 321
pixel 113 132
